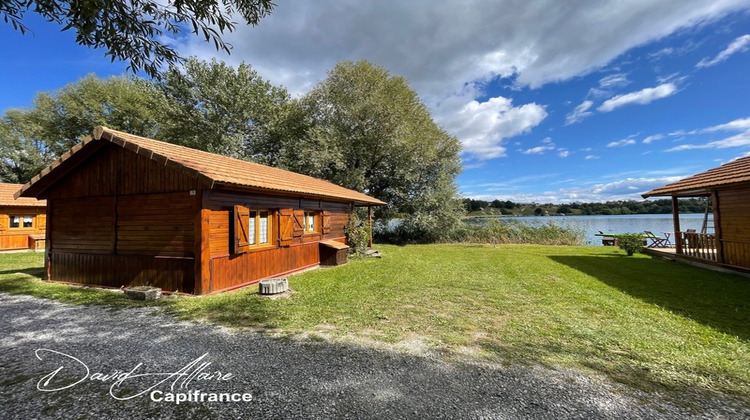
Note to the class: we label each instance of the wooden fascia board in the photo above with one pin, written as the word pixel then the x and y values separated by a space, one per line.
pixel 39 184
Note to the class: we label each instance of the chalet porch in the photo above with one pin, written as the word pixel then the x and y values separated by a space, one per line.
pixel 727 191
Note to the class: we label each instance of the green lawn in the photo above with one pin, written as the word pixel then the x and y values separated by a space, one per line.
pixel 646 322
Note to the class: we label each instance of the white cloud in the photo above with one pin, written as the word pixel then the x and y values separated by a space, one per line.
pixel 579 113
pixel 741 44
pixel 563 153
pixel 591 157
pixel 736 125
pixel 482 126
pixel 631 186
pixel 664 52
pixel 621 143
pixel 537 150
pixel 643 96
pixel 739 140
pixel 614 81
pixel 653 138
pixel 443 47
pixel 742 139
pixel 625 189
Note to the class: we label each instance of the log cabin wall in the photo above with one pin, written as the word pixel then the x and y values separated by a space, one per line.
pixel 123 219
pixel 734 209
pixel 117 171
pixel 228 269
pixel 19 237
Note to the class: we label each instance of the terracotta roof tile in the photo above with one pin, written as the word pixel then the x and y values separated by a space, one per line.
pixel 734 172
pixel 6 197
pixel 221 170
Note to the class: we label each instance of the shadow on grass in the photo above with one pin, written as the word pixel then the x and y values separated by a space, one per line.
pixel 240 309
pixel 28 282
pixel 34 271
pixel 721 301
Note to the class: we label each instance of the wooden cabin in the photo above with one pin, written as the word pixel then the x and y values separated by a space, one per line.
pixel 124 210
pixel 22 220
pixel 728 189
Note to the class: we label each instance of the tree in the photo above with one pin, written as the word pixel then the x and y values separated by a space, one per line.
pixel 32 138
pixel 564 209
pixel 369 131
pixel 21 156
pixel 233 112
pixel 138 31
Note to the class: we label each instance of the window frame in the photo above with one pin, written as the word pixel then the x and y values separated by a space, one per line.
pixel 21 222
pixel 253 221
pixel 317 228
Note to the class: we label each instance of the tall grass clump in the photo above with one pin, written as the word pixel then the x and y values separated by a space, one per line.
pixel 514 232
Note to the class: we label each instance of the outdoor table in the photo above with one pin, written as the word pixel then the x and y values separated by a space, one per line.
pixel 667 235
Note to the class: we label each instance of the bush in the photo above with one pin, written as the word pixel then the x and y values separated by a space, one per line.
pixel 357 235
pixel 630 242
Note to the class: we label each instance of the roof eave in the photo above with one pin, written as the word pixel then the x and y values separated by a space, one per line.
pixel 356 202
pixel 678 193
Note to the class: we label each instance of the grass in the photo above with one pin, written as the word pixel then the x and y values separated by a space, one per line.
pixel 642 321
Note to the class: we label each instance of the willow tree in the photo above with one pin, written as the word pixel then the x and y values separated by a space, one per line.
pixel 139 31
pixel 369 131
pixel 30 138
pixel 221 109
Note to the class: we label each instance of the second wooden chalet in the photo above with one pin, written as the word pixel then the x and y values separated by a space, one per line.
pixel 22 220
pixel 727 187
pixel 124 210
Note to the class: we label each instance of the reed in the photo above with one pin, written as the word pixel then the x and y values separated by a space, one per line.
pixel 514 232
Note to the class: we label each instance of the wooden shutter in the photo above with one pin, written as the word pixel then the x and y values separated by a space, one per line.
pixel 241 234
pixel 286 227
pixel 299 223
pixel 326 221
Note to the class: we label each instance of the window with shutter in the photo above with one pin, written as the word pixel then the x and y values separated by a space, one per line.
pixel 286 227
pixel 326 221
pixel 253 228
pixel 242 236
pixel 298 229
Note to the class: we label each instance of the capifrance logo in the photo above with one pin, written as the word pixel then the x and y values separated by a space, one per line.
pixel 162 386
pixel 198 396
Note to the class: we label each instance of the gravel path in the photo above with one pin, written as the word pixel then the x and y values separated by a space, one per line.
pixel 287 379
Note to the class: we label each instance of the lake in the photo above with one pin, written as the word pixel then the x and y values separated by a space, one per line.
pixel 631 223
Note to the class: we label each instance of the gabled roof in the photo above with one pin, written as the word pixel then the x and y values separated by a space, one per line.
pixel 7 192
pixel 215 171
pixel 734 172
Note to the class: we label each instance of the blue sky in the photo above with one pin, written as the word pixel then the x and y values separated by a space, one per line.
pixel 552 101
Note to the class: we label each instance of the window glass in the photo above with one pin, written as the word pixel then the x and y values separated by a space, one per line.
pixel 15 221
pixel 28 221
pixel 263 234
pixel 251 228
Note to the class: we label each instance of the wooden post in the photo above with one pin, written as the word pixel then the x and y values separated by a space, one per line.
pixel 717 227
pixel 676 221
pixel 48 240
pixel 369 221
pixel 202 249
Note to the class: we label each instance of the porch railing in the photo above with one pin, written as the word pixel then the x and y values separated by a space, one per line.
pixel 699 245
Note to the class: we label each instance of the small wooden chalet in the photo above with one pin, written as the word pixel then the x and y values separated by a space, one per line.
pixel 22 220
pixel 128 210
pixel 728 188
